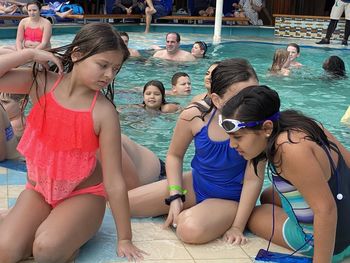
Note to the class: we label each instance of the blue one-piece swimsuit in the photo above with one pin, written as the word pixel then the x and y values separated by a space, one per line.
pixel 217 169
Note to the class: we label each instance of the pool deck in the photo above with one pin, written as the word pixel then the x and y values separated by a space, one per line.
pixel 148 234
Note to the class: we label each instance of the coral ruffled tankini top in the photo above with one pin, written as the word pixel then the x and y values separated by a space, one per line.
pixel 60 146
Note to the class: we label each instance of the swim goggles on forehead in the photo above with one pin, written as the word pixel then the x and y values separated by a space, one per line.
pixel 230 125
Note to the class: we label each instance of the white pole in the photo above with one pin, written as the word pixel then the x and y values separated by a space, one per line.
pixel 218 21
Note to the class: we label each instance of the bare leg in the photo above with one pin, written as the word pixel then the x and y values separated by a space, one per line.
pixel 64 14
pixel 260 223
pixel 270 196
pixel 151 6
pixel 206 221
pixel 19 226
pixel 148 13
pixel 71 224
pixel 148 200
pixel 69 14
pixel 140 165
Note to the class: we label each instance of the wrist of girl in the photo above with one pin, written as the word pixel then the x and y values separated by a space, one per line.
pixel 237 227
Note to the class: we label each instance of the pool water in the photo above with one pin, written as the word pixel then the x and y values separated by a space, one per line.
pixel 305 89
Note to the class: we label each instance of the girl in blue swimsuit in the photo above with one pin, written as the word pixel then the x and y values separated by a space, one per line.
pixel 205 203
pixel 309 169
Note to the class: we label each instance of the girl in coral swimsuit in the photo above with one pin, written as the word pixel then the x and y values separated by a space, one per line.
pixel 73 119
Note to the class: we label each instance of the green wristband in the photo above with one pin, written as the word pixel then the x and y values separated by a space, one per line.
pixel 177 188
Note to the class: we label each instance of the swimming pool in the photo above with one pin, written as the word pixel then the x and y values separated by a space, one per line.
pixel 304 90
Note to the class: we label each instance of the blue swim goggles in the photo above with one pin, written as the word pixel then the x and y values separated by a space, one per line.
pixel 231 125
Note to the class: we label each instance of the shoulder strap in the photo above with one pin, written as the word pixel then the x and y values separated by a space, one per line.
pixel 211 116
pixel 94 100
pixel 56 82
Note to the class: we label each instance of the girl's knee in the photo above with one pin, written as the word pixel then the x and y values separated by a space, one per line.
pixel 46 249
pixel 189 229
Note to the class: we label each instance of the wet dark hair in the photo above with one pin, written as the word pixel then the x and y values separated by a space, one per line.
pixel 37 3
pixel 157 84
pixel 257 103
pixel 176 76
pixel 335 66
pixel 295 45
pixel 178 38
pixel 91 39
pixel 227 73
pixel 124 34
pixel 203 46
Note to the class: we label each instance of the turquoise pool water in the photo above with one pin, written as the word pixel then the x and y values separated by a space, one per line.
pixel 304 89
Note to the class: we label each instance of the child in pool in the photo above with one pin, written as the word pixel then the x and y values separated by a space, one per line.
pixel 199 49
pixel 280 62
pixel 334 66
pixel 154 98
pixel 310 171
pixel 180 84
pixel 73 118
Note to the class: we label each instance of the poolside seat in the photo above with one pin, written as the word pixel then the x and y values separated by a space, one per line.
pixel 14 18
pixel 106 17
pixel 199 19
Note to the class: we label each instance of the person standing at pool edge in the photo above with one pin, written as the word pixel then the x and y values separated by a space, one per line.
pixel 65 196
pixel 309 170
pixel 337 10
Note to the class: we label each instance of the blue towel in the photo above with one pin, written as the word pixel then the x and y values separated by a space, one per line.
pixel 268 256
pixel 14 165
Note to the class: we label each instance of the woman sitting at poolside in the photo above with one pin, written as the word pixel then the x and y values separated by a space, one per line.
pixel 154 98
pixel 309 170
pixel 33 31
pixel 280 61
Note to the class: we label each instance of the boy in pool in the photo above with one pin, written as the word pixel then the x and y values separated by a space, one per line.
pixel 180 84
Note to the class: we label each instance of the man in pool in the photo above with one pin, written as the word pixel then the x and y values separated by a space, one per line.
pixel 172 49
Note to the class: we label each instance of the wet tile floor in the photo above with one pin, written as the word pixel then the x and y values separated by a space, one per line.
pixel 148 234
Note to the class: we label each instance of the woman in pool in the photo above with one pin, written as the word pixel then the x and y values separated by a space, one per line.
pixel 280 62
pixel 205 204
pixel 309 169
pixel 154 98
pixel 33 31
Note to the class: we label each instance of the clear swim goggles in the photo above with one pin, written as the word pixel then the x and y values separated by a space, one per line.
pixel 231 125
